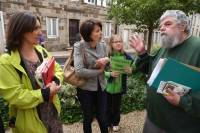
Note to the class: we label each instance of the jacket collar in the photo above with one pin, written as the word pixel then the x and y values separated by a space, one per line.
pixel 15 59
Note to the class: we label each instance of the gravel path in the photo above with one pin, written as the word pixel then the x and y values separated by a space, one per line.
pixel 130 123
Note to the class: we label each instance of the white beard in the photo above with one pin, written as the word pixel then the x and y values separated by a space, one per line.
pixel 170 41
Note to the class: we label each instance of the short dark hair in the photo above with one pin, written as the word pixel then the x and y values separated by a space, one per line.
pixel 19 24
pixel 87 27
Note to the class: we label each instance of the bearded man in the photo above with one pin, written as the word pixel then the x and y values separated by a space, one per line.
pixel 171 113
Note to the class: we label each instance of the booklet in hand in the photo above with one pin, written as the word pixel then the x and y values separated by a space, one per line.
pixel 45 72
pixel 177 73
pixel 118 64
pixel 48 71
pixel 175 87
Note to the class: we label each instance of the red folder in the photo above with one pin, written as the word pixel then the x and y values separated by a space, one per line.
pixel 48 71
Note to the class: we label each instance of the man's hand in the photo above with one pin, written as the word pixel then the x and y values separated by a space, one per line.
pixel 137 43
pixel 172 97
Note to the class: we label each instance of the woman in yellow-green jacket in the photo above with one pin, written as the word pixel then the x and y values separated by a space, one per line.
pixel 32 109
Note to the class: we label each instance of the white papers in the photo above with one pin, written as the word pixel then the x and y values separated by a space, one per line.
pixel 156 71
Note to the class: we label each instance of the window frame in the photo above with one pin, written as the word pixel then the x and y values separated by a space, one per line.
pixel 49 20
pixel 107 32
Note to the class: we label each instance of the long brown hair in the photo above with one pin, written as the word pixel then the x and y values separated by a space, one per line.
pixel 19 24
pixel 112 38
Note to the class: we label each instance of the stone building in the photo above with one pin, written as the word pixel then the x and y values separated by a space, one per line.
pixel 60 19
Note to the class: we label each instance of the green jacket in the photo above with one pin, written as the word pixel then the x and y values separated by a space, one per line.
pixel 116 85
pixel 20 95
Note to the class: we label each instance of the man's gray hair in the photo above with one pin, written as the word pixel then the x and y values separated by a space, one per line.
pixel 180 17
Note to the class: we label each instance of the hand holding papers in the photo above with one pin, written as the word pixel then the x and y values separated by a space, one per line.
pixel 120 65
pixel 175 87
pixel 102 61
pixel 45 72
pixel 175 75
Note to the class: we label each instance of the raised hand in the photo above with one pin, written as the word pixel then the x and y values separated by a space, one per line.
pixel 136 42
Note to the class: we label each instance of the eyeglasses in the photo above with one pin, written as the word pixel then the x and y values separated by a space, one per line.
pixel 116 41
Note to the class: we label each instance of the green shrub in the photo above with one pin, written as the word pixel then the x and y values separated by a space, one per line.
pixel 134 99
pixel 70 106
pixel 4 112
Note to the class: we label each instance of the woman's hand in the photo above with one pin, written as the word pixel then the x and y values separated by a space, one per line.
pixel 54 88
pixel 128 70
pixel 102 61
pixel 114 74
pixel 136 42
pixel 101 69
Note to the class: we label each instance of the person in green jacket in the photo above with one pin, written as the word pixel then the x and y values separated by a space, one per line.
pixel 171 113
pixel 32 109
pixel 116 82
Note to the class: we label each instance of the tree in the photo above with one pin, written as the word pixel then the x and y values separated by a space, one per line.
pixel 145 14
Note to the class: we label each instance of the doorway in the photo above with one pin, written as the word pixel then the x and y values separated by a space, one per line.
pixel 73 31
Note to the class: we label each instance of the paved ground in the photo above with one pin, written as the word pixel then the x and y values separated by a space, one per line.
pixel 61 54
pixel 130 123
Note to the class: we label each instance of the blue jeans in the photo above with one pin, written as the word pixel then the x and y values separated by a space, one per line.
pixel 93 102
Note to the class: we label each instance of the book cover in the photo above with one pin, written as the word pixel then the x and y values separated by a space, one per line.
pixel 175 87
pixel 48 71
pixel 171 70
pixel 118 64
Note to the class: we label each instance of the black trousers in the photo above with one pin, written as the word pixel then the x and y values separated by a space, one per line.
pixel 113 109
pixel 93 103
pixel 1 126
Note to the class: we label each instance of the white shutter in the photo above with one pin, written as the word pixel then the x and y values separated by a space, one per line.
pixel 85 1
pixel 104 3
pixel 99 2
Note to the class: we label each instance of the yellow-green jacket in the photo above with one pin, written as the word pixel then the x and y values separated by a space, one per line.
pixel 18 92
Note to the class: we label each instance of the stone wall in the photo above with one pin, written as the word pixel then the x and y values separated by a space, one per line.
pixel 62 9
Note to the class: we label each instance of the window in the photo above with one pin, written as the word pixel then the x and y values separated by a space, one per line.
pixel 108 2
pixel 99 2
pixel 107 30
pixel 52 27
pixel 93 2
pixel 103 3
